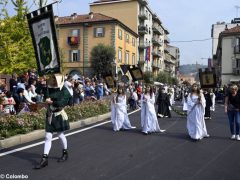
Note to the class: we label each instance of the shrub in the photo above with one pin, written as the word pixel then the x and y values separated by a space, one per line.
pixel 11 125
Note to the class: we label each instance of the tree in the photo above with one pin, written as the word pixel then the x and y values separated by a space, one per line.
pixel 16 49
pixel 162 77
pixel 102 58
pixel 148 77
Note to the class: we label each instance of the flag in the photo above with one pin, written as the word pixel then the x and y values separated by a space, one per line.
pixel 147 57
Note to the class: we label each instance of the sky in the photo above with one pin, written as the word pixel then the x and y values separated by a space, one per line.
pixel 186 20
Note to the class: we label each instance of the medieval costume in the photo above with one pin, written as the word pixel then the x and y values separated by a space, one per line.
pixel 119 116
pixel 208 99
pixel 213 97
pixel 195 116
pixel 163 104
pixel 57 120
pixel 149 121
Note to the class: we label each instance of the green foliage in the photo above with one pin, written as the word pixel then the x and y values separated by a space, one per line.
pixel 16 49
pixel 102 57
pixel 148 77
pixel 24 123
pixel 162 77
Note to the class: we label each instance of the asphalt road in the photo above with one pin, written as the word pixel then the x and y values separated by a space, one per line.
pixel 101 154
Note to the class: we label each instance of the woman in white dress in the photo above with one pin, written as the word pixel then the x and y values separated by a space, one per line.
pixel 213 97
pixel 119 116
pixel 195 116
pixel 149 121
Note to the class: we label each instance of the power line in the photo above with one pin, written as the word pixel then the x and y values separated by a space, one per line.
pixel 195 40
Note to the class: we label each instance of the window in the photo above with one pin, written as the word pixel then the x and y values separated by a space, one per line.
pixel 127 38
pixel 127 57
pixel 133 59
pixel 75 32
pixel 119 55
pixel 237 63
pixel 74 55
pixel 120 34
pixel 133 42
pixel 99 32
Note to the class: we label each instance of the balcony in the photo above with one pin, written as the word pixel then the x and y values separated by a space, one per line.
pixel 143 15
pixel 237 49
pixel 156 53
pixel 166 49
pixel 73 40
pixel 157 30
pixel 166 39
pixel 156 41
pixel 236 71
pixel 141 61
pixel 142 30
pixel 143 2
pixel 143 45
pixel 156 65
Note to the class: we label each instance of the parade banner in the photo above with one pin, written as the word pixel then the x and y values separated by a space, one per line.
pixel 136 73
pixel 43 32
pixel 207 78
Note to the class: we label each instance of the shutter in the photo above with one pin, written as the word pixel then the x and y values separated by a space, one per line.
pixel 78 36
pixel 78 56
pixel 234 64
pixel 70 56
pixel 95 32
pixel 103 32
pixel 234 42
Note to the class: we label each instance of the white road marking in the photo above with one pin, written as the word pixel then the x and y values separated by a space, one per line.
pixel 68 134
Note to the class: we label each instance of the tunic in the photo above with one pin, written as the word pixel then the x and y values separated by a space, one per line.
pixel 149 121
pixel 195 117
pixel 119 116
pixel 59 121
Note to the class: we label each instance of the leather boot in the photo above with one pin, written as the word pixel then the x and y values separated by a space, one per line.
pixel 43 162
pixel 64 156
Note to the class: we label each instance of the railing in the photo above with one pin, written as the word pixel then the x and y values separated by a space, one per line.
pixel 156 41
pixel 156 53
pixel 142 29
pixel 237 49
pixel 143 15
pixel 143 45
pixel 166 39
pixel 157 29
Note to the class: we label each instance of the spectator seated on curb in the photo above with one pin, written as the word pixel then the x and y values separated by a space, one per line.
pixel 8 104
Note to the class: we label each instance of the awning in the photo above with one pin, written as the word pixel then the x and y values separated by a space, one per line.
pixel 237 79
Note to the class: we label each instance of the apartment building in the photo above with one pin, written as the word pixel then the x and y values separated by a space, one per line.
pixel 78 34
pixel 137 15
pixel 175 53
pixel 228 56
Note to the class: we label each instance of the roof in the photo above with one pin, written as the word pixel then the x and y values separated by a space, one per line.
pixel 231 31
pixel 74 18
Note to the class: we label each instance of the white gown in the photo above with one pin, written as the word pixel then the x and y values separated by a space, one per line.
pixel 149 121
pixel 213 97
pixel 195 119
pixel 119 116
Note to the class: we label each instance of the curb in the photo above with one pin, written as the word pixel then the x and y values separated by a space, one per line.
pixel 38 134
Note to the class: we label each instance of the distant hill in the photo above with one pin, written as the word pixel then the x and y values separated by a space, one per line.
pixel 190 68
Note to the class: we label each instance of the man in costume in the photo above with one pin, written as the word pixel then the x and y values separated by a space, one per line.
pixel 56 120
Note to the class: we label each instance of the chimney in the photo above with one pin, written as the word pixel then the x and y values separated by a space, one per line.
pixel 74 15
pixel 226 28
pixel 56 18
pixel 90 15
